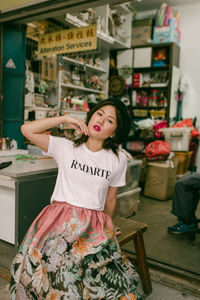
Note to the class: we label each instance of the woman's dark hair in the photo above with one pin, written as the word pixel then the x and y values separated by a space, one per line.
pixel 123 124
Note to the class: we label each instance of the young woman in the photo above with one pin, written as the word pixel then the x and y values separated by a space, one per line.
pixel 71 251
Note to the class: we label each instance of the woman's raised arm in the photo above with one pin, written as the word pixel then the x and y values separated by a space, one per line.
pixel 34 131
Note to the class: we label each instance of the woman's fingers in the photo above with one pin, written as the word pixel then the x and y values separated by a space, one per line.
pixel 77 124
pixel 82 127
pixel 117 231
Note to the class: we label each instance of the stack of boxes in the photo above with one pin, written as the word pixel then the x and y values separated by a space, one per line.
pixel 162 176
pixel 179 138
pixel 166 29
pixel 166 34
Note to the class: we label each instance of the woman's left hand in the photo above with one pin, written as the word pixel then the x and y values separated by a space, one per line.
pixel 117 231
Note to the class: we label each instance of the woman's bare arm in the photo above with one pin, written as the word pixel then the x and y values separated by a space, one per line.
pixel 110 205
pixel 111 201
pixel 34 131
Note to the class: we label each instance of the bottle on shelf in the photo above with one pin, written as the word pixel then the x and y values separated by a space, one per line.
pixel 153 100
pixel 162 101
pixel 76 80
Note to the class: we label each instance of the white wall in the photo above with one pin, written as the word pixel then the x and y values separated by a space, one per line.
pixel 189 60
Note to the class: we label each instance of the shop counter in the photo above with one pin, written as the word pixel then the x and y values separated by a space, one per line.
pixel 25 188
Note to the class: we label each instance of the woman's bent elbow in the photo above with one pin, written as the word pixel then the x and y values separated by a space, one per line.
pixel 23 129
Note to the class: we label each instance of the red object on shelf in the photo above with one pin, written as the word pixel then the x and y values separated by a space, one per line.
pixel 158 125
pixel 137 77
pixel 184 123
pixel 158 148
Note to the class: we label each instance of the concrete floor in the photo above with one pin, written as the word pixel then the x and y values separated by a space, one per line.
pixel 174 250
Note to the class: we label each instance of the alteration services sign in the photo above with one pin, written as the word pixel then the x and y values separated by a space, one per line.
pixel 68 41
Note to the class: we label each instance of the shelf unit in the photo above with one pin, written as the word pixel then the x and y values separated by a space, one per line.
pixel 72 86
pixel 118 37
pixel 95 68
pixel 82 88
pixel 86 64
pixel 143 92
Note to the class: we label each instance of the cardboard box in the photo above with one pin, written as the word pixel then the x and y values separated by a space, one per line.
pixel 143 22
pixel 141 35
pixel 166 34
pixel 141 32
pixel 160 181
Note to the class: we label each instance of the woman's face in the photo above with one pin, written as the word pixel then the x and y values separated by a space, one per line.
pixel 103 123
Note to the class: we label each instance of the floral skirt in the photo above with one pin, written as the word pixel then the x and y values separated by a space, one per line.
pixel 72 253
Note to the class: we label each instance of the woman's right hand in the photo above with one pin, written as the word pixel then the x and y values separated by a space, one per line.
pixel 77 124
pixel 34 131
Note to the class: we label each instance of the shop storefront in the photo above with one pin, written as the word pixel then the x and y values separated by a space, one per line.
pixel 55 59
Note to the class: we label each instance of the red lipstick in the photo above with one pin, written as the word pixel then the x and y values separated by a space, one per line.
pixel 96 127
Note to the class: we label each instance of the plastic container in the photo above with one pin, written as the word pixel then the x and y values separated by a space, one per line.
pixel 127 203
pixel 179 138
pixel 132 176
pixel 140 112
pixel 157 113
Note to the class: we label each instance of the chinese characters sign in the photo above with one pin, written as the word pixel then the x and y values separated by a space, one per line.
pixel 68 41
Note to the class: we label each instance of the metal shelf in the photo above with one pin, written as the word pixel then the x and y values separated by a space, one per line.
pixel 76 62
pixel 72 86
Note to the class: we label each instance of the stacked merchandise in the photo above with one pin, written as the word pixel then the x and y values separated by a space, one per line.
pixel 167 27
pixel 166 159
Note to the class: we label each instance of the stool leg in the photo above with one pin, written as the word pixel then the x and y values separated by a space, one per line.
pixel 142 263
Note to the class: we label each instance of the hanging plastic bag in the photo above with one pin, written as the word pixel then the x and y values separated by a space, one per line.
pixel 158 148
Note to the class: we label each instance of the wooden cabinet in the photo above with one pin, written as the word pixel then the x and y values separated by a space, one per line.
pixel 155 76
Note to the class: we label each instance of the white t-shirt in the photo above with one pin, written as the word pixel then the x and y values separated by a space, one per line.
pixel 85 176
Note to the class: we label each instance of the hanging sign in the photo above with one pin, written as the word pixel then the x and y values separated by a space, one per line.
pixel 68 41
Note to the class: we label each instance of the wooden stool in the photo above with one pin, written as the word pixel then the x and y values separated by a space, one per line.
pixel 133 230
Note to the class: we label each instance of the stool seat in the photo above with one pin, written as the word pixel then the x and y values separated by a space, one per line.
pixel 133 230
